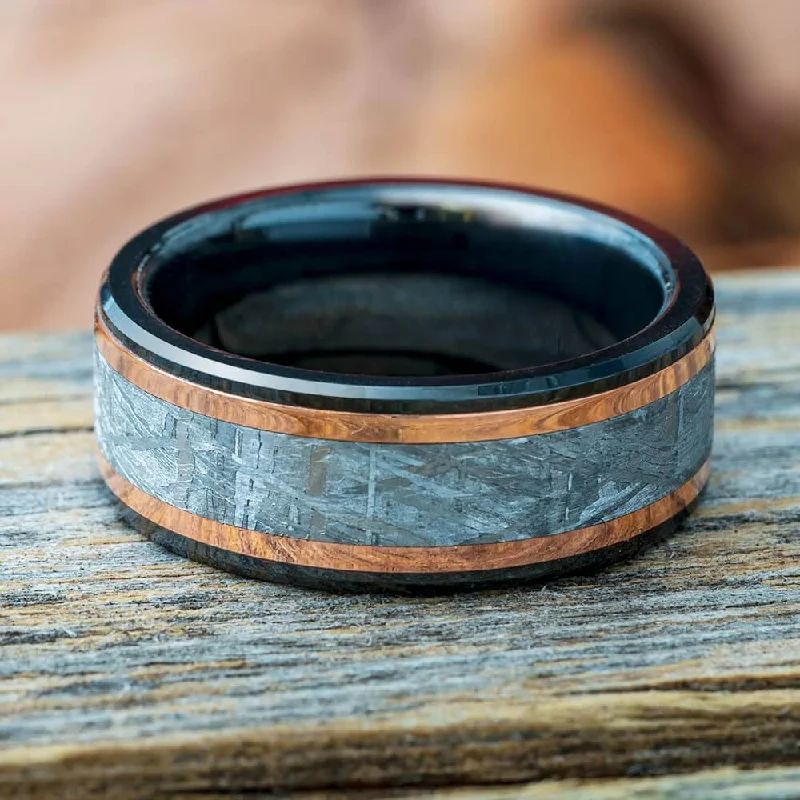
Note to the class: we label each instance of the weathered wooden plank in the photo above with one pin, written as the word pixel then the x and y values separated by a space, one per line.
pixel 722 784
pixel 124 668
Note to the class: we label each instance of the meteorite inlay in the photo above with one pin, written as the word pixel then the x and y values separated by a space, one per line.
pixel 404 495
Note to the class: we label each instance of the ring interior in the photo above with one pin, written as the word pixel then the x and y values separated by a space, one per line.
pixel 407 280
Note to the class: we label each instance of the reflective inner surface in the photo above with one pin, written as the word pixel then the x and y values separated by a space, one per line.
pixel 416 324
pixel 404 288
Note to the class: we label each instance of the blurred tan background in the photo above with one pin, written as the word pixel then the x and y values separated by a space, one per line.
pixel 115 113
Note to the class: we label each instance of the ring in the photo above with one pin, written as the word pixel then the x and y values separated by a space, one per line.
pixel 404 385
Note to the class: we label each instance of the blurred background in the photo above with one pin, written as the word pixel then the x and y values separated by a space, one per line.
pixel 116 113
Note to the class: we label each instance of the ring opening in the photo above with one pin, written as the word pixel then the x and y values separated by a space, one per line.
pixel 407 281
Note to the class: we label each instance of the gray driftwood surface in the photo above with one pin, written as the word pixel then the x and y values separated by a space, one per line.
pixel 127 672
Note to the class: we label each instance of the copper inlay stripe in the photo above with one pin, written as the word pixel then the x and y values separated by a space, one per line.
pixel 414 560
pixel 399 428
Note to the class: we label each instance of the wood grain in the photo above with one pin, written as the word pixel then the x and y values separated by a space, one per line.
pixel 128 672
pixel 716 784
pixel 400 428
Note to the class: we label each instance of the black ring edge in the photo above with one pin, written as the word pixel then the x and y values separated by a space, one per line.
pixel 675 334
pixel 422 584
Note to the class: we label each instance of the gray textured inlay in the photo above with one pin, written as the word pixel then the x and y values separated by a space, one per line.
pixel 386 494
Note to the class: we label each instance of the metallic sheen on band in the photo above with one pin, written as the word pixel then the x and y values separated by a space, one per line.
pixel 411 560
pixel 399 428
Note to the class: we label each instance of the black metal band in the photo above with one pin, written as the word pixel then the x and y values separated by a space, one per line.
pixel 600 261
pixel 405 384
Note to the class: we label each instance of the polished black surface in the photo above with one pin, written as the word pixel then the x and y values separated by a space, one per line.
pixel 610 299
pixel 414 324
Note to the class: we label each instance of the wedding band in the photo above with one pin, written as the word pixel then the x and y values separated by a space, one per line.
pixel 405 385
